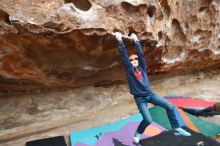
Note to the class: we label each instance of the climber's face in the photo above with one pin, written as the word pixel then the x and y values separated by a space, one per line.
pixel 134 60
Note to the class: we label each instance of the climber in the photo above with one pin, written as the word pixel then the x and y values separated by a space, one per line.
pixel 135 67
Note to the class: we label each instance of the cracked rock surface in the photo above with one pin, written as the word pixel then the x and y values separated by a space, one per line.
pixel 46 45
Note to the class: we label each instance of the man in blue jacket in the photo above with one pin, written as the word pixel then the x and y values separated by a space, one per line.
pixel 136 72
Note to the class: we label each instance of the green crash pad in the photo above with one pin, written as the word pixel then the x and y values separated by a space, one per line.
pixel 206 128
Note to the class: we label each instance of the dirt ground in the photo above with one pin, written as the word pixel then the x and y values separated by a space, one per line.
pixel 30 117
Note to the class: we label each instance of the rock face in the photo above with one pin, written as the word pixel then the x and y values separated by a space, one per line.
pixel 66 43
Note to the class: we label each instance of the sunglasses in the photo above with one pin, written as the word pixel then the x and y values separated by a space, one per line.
pixel 133 59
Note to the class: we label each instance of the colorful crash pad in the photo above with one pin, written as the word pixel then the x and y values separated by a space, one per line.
pixel 122 131
pixel 186 102
pixel 194 106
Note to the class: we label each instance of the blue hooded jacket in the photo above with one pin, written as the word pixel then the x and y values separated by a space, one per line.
pixel 137 77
